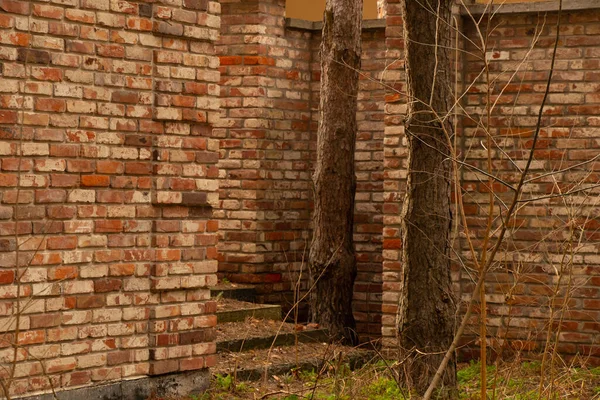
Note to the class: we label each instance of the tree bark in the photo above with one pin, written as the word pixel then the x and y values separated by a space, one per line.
pixel 332 257
pixel 427 308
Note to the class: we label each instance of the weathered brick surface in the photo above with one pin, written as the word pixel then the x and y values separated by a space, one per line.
pixel 269 79
pixel 521 300
pixel 395 163
pixel 108 179
pixel 269 90
pixel 140 153
pixel 265 148
pixel 524 279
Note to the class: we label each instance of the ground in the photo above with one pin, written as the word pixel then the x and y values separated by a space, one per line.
pixel 517 380
pixel 262 357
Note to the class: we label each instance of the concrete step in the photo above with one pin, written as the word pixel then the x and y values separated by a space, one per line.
pixel 262 334
pixel 253 364
pixel 229 310
pixel 234 291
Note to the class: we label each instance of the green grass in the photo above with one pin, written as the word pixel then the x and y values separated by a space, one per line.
pixel 514 381
pixel 383 388
pixel 224 383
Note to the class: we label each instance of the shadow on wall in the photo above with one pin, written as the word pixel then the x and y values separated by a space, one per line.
pixel 312 10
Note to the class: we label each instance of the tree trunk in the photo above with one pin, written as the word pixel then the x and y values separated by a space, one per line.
pixel 427 307
pixel 332 258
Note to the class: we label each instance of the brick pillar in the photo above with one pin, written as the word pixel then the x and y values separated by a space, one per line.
pixel 395 164
pixel 186 104
pixel 368 217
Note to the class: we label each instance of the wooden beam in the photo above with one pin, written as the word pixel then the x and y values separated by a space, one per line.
pixel 544 6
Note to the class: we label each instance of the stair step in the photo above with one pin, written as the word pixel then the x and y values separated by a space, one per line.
pixel 262 334
pixel 234 291
pixel 252 364
pixel 286 339
pixel 229 310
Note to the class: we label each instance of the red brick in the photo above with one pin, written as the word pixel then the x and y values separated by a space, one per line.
pixel 138 168
pixel 95 180
pixel 109 167
pixel 80 166
pixel 6 21
pixel 46 259
pixel 47 11
pixel 121 269
pixel 255 60
pixel 195 88
pixel 108 226
pixel 111 50
pixel 8 180
pixel 139 24
pixel 62 29
pixel 107 285
pixel 7 277
pixel 110 196
pixel 166 339
pixel 93 301
pixel 200 5
pixel 20 39
pixel 230 60
pixel 122 96
pixel 60 365
pixel 392 244
pixel 105 256
pixel 163 367
pixel 87 17
pixel 77 378
pixel 120 357
pixel 62 180
pixel 8 117
pixel 53 105
pixel 14 6
pixel 61 242
pixel 167 28
pixel 44 320
pixel 62 273
pixel 32 337
pixel 80 47
pixel 47 74
pixel 191 364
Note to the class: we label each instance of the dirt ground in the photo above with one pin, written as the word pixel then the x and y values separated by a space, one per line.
pixel 515 380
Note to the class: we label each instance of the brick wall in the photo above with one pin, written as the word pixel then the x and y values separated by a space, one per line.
pixel 537 257
pixel 108 177
pixel 521 287
pixel 269 86
pixel 265 148
pixel 368 218
pixel 139 150
pixel 395 164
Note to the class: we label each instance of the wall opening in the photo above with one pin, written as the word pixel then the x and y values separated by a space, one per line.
pixel 312 10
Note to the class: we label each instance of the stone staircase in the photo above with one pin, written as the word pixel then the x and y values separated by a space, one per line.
pixel 253 340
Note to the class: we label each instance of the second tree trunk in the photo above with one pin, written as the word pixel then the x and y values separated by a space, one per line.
pixel 332 258
pixel 427 307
